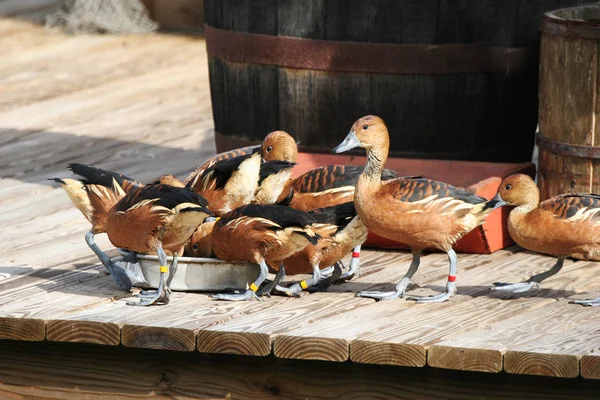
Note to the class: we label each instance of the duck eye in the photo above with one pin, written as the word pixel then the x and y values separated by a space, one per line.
pixel 365 127
pixel 508 187
pixel 195 246
pixel 269 148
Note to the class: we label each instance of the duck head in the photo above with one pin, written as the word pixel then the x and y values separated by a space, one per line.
pixel 279 146
pixel 367 132
pixel 517 190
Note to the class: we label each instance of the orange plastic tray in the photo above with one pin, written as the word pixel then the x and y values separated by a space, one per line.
pixel 483 177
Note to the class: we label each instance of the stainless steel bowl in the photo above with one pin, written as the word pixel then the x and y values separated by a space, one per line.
pixel 200 274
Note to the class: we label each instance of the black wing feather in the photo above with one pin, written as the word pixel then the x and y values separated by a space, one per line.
pixel 273 167
pixel 168 197
pixel 339 215
pixel 98 176
pixel 284 216
pixel 223 169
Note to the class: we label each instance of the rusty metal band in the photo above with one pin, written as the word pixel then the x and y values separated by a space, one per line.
pixel 554 24
pixel 383 58
pixel 225 142
pixel 567 149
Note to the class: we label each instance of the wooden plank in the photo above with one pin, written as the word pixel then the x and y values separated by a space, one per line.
pixel 545 341
pixel 400 333
pixel 253 335
pixel 83 332
pixel 22 329
pixel 186 314
pixel 380 316
pixel 555 354
pixel 590 365
pixel 158 338
pixel 30 370
pixel 249 335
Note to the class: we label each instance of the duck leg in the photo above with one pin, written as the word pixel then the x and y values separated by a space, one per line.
pixel 400 287
pixel 120 279
pixel 296 288
pixel 325 282
pixel 588 303
pixel 326 272
pixel 250 293
pixel 354 265
pixel 535 280
pixel 267 288
pixel 172 270
pixel 450 284
pixel 161 295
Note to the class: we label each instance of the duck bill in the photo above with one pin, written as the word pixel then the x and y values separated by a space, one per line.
pixel 497 202
pixel 349 143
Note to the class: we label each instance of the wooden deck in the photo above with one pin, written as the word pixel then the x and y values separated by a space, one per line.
pixel 141 106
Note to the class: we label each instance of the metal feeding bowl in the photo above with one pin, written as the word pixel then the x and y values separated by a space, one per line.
pixel 199 274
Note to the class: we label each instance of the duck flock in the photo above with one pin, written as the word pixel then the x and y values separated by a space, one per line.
pixel 243 206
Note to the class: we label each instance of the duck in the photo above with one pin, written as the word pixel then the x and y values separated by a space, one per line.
pixel 419 212
pixel 341 231
pixel 263 234
pixel 233 182
pixel 158 219
pixel 280 155
pixel 94 195
pixel 564 226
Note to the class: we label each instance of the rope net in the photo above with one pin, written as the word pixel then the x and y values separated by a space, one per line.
pixel 102 16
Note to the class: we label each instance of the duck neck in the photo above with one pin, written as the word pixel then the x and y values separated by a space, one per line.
pixel 531 201
pixel 376 159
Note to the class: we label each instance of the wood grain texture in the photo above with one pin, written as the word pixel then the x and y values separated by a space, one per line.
pixel 262 328
pixel 247 343
pixel 590 366
pixel 318 107
pixel 526 363
pixel 22 329
pixel 29 370
pixel 158 338
pixel 568 71
pixel 549 340
pixel 481 360
pixel 315 348
pixel 367 352
pixel 83 332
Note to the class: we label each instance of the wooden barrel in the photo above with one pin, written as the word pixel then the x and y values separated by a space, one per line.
pixel 569 106
pixel 452 80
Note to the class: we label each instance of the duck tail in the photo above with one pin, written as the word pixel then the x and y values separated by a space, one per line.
pixel 109 179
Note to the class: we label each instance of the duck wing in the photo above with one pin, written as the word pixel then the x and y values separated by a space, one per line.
pixel 218 173
pixel 165 196
pixel 220 157
pixel 574 206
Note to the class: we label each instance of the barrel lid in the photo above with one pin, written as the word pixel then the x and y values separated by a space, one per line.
pixel 578 22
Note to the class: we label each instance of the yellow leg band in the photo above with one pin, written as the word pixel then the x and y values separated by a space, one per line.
pixel 164 268
pixel 253 287
pixel 303 285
